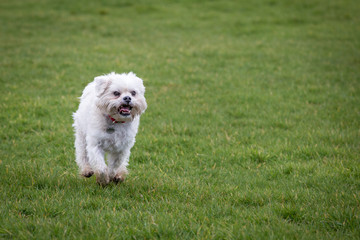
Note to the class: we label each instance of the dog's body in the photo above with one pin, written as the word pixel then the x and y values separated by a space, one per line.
pixel 107 122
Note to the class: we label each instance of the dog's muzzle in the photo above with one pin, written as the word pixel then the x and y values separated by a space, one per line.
pixel 125 107
pixel 125 110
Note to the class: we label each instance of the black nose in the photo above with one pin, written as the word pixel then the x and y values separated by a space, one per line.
pixel 127 99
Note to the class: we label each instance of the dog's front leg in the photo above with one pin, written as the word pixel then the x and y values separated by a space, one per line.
pixel 97 163
pixel 117 166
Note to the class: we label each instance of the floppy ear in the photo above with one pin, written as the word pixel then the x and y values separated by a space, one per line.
pixel 101 84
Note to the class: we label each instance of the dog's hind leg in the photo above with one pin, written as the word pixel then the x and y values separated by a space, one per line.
pixel 97 161
pixel 81 155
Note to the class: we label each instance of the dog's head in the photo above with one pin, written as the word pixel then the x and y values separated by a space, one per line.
pixel 120 95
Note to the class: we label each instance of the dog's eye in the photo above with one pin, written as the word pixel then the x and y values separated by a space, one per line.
pixel 133 93
pixel 116 93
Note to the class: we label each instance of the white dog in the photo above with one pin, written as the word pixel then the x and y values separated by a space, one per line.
pixel 107 122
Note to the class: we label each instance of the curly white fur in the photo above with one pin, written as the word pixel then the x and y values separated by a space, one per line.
pixel 107 122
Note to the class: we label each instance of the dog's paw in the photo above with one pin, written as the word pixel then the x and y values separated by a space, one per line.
pixel 87 174
pixel 102 179
pixel 118 179
pixel 120 175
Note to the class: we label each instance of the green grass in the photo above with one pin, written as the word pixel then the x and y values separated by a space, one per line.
pixel 251 132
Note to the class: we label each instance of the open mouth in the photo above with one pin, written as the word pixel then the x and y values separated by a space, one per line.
pixel 125 110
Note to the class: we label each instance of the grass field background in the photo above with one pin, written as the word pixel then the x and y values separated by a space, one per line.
pixel 251 132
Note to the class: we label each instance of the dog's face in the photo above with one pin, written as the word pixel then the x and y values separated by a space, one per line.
pixel 120 95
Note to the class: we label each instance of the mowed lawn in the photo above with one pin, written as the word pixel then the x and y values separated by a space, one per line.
pixel 252 129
